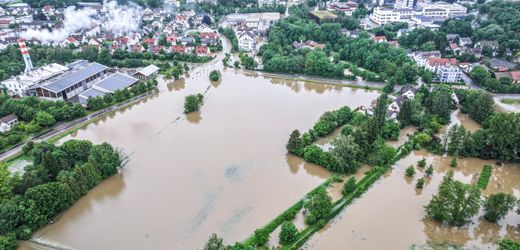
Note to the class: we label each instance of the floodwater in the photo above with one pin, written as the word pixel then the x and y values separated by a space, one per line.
pixel 390 215
pixel 222 170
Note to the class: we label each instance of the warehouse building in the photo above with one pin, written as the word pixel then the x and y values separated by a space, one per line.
pixel 80 78
pixel 109 85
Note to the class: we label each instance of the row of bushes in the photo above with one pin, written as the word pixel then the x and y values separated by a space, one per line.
pixel 57 178
pixel 483 179
pixel 287 215
pixel 360 188
pixel 101 102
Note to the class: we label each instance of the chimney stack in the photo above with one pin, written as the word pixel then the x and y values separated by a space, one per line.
pixel 25 55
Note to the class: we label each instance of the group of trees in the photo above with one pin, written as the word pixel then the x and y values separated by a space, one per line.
pixel 279 55
pixel 362 139
pixel 57 177
pixel 483 78
pixel 497 139
pixel 192 103
pixel 107 100
pixel 456 203
pixel 34 114
pixel 173 70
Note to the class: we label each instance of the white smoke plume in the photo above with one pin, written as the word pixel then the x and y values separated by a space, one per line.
pixel 117 19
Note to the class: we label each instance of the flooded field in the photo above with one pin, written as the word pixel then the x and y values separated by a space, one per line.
pixel 391 214
pixel 223 170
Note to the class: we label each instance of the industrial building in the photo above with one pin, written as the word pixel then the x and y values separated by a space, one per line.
pixel 58 82
pixel 109 85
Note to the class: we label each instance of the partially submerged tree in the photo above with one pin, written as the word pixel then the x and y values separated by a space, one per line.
pixel 455 203
pixel 497 206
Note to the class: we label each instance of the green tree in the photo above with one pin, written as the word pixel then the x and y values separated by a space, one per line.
pixel 192 103
pixel 440 103
pixel 44 119
pixel 261 237
pixel 346 153
pixel 294 145
pixel 318 204
pixel 288 233
pixel 455 202
pixel 214 75
pixel 349 186
pixel 479 75
pixel 497 206
pixel 429 170
pixel 420 183
pixel 410 171
pixel 215 243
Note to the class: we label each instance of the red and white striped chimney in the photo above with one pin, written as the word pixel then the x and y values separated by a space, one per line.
pixel 25 55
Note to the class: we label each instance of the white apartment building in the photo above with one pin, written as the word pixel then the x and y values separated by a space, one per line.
pixel 246 41
pixel 438 9
pixel 389 15
pixel 446 69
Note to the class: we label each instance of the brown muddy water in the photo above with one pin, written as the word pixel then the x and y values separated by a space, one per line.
pixel 222 170
pixel 390 215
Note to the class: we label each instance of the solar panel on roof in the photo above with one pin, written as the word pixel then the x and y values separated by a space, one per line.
pixel 116 81
pixel 75 77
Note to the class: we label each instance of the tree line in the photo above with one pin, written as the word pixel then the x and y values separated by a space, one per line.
pixel 34 115
pixel 57 177
pixel 120 95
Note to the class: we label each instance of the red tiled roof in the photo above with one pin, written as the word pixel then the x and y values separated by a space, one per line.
pixel 201 50
pixel 207 35
pixel 178 48
pixel 515 75
pixel 442 61
pixel 379 38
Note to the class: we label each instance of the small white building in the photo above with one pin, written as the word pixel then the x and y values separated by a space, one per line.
pixel 147 72
pixel 7 123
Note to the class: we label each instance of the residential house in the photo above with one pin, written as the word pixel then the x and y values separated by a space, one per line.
pixel 465 41
pixel 379 39
pixel 408 92
pixel 202 51
pixel 178 49
pixel 70 41
pixel 501 65
pixel 7 122
pixel 493 45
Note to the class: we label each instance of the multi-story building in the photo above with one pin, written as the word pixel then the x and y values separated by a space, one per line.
pixel 440 10
pixel 421 58
pixel 383 15
pixel 446 69
pixel 405 4
pixel 246 41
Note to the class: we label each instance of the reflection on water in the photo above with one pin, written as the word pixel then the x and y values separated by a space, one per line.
pixel 390 215
pixel 229 174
